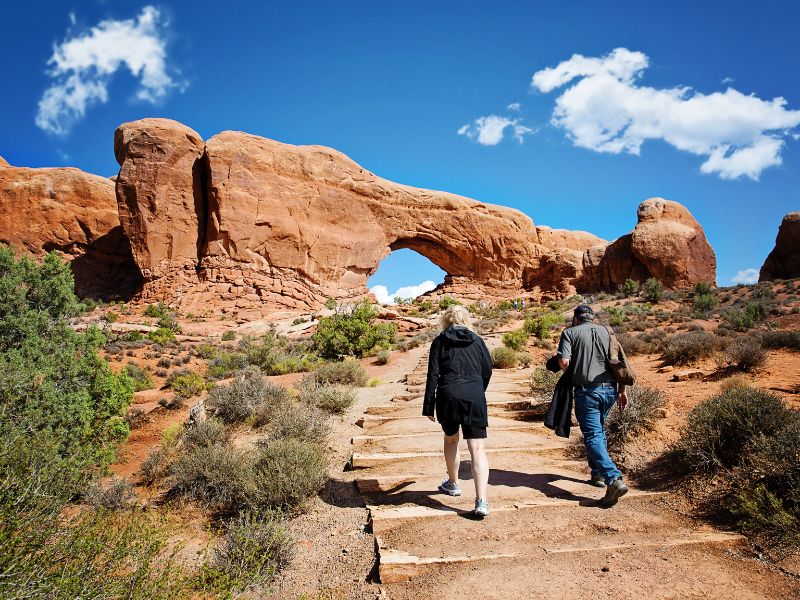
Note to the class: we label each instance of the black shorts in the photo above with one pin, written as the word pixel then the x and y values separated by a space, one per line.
pixel 470 432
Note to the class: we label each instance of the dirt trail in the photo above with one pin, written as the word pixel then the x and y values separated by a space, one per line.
pixel 545 536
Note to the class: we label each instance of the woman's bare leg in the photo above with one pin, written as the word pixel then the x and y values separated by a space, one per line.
pixel 451 456
pixel 480 467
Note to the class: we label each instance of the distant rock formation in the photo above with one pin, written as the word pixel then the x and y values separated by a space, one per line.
pixel 243 222
pixel 74 214
pixel 784 260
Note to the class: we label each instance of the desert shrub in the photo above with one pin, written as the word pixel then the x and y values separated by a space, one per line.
pixel 218 476
pixel 286 473
pixel 345 372
pixel 639 416
pixel 649 342
pixel 616 316
pixel 704 288
pixel 515 339
pixel 745 318
pixel 745 354
pixel 247 395
pixel 351 332
pixel 229 335
pixel 765 517
pixel 446 302
pixel 114 494
pixel 156 311
pixel 781 339
pixel 140 377
pixel 762 291
pixel 205 433
pixel 161 336
pixel 299 321
pixel 187 385
pixel 382 357
pixel 206 351
pixel 652 290
pixel 254 549
pixel 543 382
pixel 723 429
pixel 703 304
pixel 156 466
pixel 332 398
pixel 277 356
pixel 525 359
pixel 300 421
pixel 225 364
pixel 504 358
pixel 629 288
pixel 686 348
pixel 541 325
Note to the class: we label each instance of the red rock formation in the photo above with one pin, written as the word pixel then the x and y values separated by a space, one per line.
pixel 160 194
pixel 784 260
pixel 74 214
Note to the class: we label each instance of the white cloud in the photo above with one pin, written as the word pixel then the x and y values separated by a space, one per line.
pixel 82 67
pixel 514 106
pixel 490 130
pixel 408 292
pixel 607 110
pixel 727 80
pixel 746 276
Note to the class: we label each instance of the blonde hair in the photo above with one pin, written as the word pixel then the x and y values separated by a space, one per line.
pixel 456 315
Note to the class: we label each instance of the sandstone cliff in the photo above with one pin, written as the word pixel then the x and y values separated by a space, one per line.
pixel 784 260
pixel 73 213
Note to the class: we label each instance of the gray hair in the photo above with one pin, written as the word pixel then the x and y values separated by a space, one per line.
pixel 455 315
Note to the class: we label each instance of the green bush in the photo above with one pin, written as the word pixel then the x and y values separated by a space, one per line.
pixel 248 396
pixel 286 473
pixel 255 548
pixel 140 377
pixel 515 339
pixel 446 302
pixel 278 356
pixel 703 304
pixel 206 433
pixel 345 372
pixel 704 288
pixel 225 364
pixel 541 325
pixel 229 335
pixel 616 315
pixel 161 336
pixel 764 516
pixel 352 333
pixel 629 288
pixel 132 336
pixel 218 476
pixel 781 339
pixel 745 318
pixel 301 422
pixel 331 398
pixel 639 416
pixel 187 385
pixel 543 383
pixel 722 431
pixel 653 290
pixel 686 348
pixel 382 357
pixel 156 311
pixel 504 358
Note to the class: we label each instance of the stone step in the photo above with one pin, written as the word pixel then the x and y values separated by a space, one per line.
pixel 389 424
pixel 363 460
pixel 430 438
pixel 396 566
pixel 495 403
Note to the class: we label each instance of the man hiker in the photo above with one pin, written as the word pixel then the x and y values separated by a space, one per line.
pixel 584 347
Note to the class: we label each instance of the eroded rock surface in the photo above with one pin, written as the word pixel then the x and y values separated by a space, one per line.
pixel 784 260
pixel 74 214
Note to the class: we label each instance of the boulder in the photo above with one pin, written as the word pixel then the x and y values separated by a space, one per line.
pixel 784 260
pixel 74 214
pixel 160 194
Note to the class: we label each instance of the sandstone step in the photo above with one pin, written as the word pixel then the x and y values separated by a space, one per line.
pixel 389 424
pixel 396 566
pixel 362 460
pixel 431 439
pixel 498 403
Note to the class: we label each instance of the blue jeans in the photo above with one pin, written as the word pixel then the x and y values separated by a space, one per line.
pixel 592 403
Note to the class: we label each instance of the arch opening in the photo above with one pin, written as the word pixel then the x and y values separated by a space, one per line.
pixel 405 274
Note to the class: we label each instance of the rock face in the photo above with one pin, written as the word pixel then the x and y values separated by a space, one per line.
pixel 74 214
pixel 160 194
pixel 784 260
pixel 265 222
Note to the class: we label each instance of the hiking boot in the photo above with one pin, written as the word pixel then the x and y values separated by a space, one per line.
pixel 614 491
pixel 450 488
pixel 597 481
pixel 481 508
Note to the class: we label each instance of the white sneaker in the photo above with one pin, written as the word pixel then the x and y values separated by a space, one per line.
pixel 481 508
pixel 450 488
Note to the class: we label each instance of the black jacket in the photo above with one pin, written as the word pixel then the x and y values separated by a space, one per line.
pixel 559 414
pixel 459 369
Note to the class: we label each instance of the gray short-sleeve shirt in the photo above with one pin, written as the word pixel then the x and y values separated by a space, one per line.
pixel 586 347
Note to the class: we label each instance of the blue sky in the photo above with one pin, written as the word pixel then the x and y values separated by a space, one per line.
pixel 392 83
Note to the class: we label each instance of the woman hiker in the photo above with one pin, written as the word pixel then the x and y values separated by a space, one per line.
pixel 459 369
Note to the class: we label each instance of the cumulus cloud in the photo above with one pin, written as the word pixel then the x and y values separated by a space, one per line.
pixel 490 130
pixel 746 276
pixel 83 65
pixel 409 292
pixel 606 109
pixel 514 106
